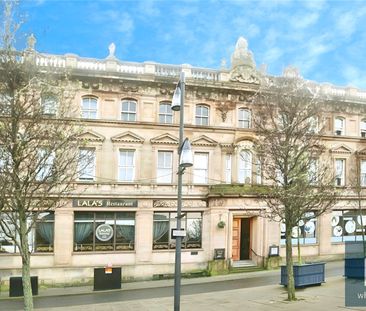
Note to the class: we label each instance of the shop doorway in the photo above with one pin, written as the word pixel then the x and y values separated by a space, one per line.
pixel 241 239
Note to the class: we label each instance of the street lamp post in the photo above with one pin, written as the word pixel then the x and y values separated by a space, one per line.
pixel 185 160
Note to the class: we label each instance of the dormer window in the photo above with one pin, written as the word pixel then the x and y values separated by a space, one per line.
pixel 363 128
pixel 339 126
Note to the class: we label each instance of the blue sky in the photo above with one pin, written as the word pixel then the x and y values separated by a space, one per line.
pixel 326 40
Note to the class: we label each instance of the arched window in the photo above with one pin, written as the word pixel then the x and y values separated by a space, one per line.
pixel 89 107
pixel 339 126
pixel 363 128
pixel 165 113
pixel 245 117
pixel 245 167
pixel 202 115
pixel 128 110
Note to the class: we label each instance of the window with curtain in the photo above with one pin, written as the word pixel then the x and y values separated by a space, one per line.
pixel 89 107
pixel 164 222
pixel 165 167
pixel 104 231
pixel 40 237
pixel 340 172
pixel 228 160
pixel 305 232
pixel 245 167
pixel 165 113
pixel 339 126
pixel 347 225
pixel 363 128
pixel 128 110
pixel 202 115
pixel 86 164
pixel 363 173
pixel 200 168
pixel 245 118
pixel 126 165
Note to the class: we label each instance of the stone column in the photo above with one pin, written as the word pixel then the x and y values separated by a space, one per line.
pixel 144 235
pixel 64 236
pixel 325 234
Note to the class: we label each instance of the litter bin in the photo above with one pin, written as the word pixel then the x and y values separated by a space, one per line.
pixel 107 278
pixel 16 286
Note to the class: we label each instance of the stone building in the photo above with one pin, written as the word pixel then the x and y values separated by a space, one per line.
pixel 125 204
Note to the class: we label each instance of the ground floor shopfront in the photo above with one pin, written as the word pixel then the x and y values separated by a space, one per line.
pixel 136 235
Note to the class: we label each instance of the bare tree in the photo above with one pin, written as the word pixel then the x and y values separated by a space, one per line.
pixel 287 121
pixel 39 149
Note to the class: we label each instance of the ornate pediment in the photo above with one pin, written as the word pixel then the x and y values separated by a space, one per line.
pixel 128 137
pixel 91 136
pixel 362 152
pixel 341 149
pixel 204 140
pixel 165 139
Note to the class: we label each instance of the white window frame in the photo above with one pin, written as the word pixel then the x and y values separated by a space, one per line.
pixel 200 118
pixel 245 118
pixel 245 166
pixel 228 165
pixel 313 171
pixel 129 114
pixel 87 111
pixel 87 172
pixel 258 172
pixel 363 128
pixel 340 172
pixel 363 173
pixel 49 105
pixel 166 116
pixel 339 129
pixel 46 164
pixel 200 167
pixel 125 166
pixel 164 168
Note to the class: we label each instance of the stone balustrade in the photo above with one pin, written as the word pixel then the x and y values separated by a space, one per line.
pixel 165 70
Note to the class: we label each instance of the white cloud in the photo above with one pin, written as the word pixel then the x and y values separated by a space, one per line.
pixel 354 76
pixel 304 20
pixel 272 55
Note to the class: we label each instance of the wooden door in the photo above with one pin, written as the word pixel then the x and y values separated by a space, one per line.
pixel 236 239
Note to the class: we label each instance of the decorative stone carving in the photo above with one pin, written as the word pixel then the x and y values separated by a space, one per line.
pixel 166 139
pixel 223 107
pixel 341 149
pixel 185 203
pixel 112 50
pixel 204 140
pixel 242 64
pixel 128 137
pixel 91 136
pixel 291 72
pixel 31 42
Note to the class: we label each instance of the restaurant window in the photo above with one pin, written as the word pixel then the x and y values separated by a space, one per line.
pixel 305 232
pixel 164 222
pixel 104 231
pixel 40 237
pixel 348 225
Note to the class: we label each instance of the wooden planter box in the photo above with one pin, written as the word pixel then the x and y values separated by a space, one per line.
pixel 354 268
pixel 306 274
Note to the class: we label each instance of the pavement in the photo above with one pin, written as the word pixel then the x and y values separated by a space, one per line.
pixel 328 296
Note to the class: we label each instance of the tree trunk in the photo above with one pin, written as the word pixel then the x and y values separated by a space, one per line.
pixel 289 266
pixel 27 288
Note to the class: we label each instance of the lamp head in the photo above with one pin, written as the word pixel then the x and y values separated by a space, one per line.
pixel 176 99
pixel 186 156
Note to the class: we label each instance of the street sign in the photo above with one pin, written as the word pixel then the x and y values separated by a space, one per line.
pixel 176 233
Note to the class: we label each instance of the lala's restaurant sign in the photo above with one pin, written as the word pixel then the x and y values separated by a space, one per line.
pixel 104 203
